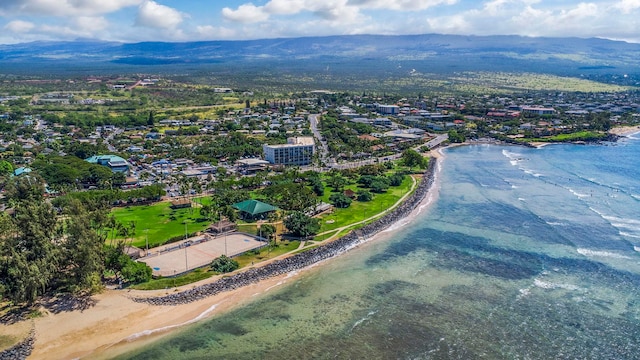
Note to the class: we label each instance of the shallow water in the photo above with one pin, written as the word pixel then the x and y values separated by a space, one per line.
pixel 526 254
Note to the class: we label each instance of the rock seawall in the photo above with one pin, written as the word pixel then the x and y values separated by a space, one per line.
pixel 21 350
pixel 304 259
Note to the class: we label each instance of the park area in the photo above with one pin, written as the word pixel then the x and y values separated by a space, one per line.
pixel 158 222
pixel 199 251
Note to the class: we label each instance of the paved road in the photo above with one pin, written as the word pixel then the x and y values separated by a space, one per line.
pixel 324 148
pixel 433 143
pixel 437 141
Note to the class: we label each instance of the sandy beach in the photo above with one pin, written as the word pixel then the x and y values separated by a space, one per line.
pixel 115 324
pixel 624 130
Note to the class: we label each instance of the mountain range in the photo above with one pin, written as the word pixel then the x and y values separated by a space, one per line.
pixel 427 53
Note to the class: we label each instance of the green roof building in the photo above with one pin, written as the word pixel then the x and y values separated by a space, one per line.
pixel 113 162
pixel 253 208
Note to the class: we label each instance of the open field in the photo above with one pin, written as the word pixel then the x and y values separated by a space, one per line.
pixel 160 220
pixel 577 136
pixel 358 210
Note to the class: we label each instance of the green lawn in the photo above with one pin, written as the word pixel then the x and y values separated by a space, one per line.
pixel 161 221
pixel 250 258
pixel 577 136
pixel 164 283
pixel 359 211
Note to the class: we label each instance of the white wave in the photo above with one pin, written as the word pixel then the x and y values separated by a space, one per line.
pixel 636 248
pixel 273 286
pixel 556 223
pixel 513 162
pixel 622 233
pixel 522 199
pixel 530 172
pixel 579 195
pixel 597 212
pixel 549 285
pixel 169 327
pixel 511 155
pixel 623 221
pixel 514 187
pixel 600 253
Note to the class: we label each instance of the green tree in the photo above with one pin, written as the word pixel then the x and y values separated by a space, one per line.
pixel 83 248
pixel 379 185
pixel 364 195
pixel 340 200
pixel 6 168
pixel 124 267
pixel 25 187
pixel 396 179
pixel 266 231
pixel 30 259
pixel 456 137
pixel 412 158
pixel 224 264
pixel 302 225
pixel 337 182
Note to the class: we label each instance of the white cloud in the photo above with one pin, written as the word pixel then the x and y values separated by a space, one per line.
pixel 328 9
pixel 153 15
pixel 627 6
pixel 402 5
pixel 91 24
pixel 64 8
pixel 247 13
pixel 19 26
pixel 208 32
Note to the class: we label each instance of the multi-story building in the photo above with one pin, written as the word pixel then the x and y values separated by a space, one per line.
pixel 388 109
pixel 297 151
pixel 538 110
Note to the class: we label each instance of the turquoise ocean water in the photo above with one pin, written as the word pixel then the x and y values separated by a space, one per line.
pixel 525 254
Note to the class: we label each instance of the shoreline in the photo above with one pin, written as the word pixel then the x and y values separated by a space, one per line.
pixel 120 321
pixel 624 131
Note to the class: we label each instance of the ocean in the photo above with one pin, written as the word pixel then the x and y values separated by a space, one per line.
pixel 524 254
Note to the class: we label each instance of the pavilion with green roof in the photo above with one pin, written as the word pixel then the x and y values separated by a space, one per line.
pixel 254 208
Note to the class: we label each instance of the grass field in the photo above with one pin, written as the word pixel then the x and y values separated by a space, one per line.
pixel 164 283
pixel 359 211
pixel 577 136
pixel 161 221
pixel 282 247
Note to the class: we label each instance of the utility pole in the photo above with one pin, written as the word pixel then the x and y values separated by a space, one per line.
pixel 186 263
pixel 146 237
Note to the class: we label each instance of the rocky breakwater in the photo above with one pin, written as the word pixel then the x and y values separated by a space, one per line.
pixel 20 351
pixel 304 259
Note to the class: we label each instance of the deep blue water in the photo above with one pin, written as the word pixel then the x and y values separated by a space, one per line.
pixel 526 254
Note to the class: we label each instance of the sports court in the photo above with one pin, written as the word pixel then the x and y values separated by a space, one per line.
pixel 200 251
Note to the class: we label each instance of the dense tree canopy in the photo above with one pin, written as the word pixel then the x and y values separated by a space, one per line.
pixel 412 158
pixel 302 225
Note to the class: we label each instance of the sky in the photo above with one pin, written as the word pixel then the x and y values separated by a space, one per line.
pixel 197 20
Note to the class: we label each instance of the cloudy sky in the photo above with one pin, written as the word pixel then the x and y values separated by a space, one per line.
pixel 191 20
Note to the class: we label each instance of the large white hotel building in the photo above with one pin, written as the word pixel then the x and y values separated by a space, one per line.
pixel 297 151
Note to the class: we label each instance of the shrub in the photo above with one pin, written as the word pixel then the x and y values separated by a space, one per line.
pixel 224 264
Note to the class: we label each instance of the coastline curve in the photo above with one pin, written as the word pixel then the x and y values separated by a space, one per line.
pixel 304 259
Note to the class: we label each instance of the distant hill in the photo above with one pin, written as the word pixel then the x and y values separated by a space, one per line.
pixel 426 53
